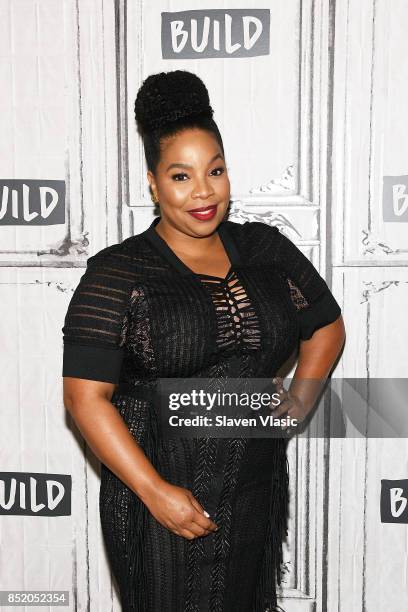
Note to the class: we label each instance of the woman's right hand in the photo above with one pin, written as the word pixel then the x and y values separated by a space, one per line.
pixel 109 437
pixel 177 509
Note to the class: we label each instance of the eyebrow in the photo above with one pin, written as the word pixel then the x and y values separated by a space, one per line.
pixel 181 165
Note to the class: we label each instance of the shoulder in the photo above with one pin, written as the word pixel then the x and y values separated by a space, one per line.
pixel 252 228
pixel 109 277
pixel 253 236
pixel 124 254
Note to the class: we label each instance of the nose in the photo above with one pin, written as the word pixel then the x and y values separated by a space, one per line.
pixel 202 189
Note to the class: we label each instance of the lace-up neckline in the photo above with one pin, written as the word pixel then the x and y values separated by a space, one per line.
pixel 236 318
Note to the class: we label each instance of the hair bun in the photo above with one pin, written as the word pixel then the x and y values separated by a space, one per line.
pixel 166 97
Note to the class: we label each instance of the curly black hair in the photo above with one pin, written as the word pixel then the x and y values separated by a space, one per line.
pixel 167 103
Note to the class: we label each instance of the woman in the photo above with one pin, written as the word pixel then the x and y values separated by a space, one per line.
pixel 191 524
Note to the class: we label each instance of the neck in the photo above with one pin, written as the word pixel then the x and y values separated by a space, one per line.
pixel 186 243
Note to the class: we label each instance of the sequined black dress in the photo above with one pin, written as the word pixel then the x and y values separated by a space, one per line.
pixel 138 314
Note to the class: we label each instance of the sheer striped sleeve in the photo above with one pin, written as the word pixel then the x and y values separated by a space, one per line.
pixel 315 304
pixel 94 330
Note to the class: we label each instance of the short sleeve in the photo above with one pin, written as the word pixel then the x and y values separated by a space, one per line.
pixel 315 305
pixel 94 329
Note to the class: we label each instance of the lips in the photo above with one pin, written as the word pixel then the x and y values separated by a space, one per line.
pixel 204 213
pixel 203 208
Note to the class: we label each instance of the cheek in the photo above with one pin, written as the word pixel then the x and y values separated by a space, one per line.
pixel 174 192
pixel 224 187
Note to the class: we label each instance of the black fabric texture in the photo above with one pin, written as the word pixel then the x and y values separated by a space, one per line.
pixel 139 314
pixel 92 362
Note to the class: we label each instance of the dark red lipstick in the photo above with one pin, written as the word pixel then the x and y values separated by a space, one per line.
pixel 205 213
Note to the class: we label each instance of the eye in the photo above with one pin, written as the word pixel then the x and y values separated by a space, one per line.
pixel 221 169
pixel 178 174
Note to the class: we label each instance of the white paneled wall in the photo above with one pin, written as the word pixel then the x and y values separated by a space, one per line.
pixel 310 130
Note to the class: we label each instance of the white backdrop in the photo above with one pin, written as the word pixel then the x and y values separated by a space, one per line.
pixel 310 129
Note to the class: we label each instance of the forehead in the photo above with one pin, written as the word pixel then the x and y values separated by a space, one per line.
pixel 189 145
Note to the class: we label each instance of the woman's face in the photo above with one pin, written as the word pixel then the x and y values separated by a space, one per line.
pixel 191 174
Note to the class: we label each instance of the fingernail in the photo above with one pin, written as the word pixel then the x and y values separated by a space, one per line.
pixel 206 513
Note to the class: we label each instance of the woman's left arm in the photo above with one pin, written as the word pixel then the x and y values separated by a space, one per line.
pixel 315 361
pixel 318 354
pixel 321 326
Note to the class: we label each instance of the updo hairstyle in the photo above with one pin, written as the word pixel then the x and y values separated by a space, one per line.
pixel 166 104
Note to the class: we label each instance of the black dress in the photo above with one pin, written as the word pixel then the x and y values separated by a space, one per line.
pixel 138 314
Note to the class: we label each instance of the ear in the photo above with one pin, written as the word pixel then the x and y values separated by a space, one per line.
pixel 152 182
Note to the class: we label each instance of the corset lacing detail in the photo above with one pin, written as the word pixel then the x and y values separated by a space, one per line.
pixel 236 317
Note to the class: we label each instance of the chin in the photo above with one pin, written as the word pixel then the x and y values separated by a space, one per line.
pixel 204 228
